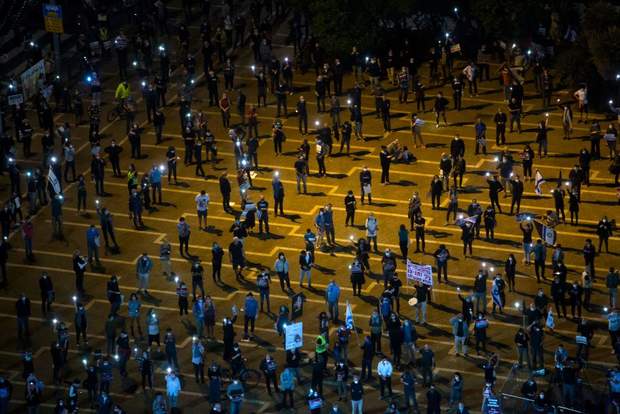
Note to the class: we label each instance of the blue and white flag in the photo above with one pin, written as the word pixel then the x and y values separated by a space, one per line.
pixel 497 299
pixel 53 181
pixel 539 180
pixel 348 317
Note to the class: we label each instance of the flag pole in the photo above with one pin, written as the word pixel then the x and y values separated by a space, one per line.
pixel 347 310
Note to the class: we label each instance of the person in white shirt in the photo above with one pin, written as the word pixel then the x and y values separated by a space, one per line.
pixel 384 370
pixel 202 205
pixel 371 230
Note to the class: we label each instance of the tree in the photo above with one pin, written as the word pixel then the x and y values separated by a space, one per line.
pixel 508 19
pixel 601 30
pixel 341 24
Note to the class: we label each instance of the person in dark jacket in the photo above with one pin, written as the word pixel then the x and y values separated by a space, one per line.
pixel 517 193
pixel 23 312
pixel 433 398
pixel 225 190
pixel 97 169
pixel 46 288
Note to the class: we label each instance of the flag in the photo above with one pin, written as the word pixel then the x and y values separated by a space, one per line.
pixel 468 222
pixel 348 317
pixel 539 180
pixel 53 181
pixel 495 294
pixel 547 234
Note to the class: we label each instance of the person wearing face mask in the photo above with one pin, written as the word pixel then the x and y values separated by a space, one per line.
pixel 235 394
pixel 541 403
pixel 461 409
pixel 575 297
pixel 281 268
pixel 357 396
pixel 269 367
pixel 47 293
pixel 341 375
pixel 517 193
pixel 480 291
pixel 460 330
pixel 604 231
pixel 384 370
pixel 480 330
pixel 521 341
pixel 456 389
pixel 528 391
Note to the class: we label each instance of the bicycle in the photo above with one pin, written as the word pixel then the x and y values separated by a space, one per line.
pixel 249 377
pixel 119 111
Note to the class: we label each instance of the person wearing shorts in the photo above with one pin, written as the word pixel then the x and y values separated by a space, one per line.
pixel 235 251
pixel 202 206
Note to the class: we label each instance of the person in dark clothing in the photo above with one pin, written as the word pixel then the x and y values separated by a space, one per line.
pixel 433 400
pixel 500 120
pixel 439 107
pixel 385 159
pixel 225 190
pixel 558 293
pixel 350 204
pixel 114 151
pixel 368 354
pixel 517 193
pixel 385 113
pixel 97 170
pixel 495 187
pixel 216 262
pixel 23 312
pixel 46 288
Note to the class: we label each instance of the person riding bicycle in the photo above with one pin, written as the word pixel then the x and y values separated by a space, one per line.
pixel 122 94
pixel 237 362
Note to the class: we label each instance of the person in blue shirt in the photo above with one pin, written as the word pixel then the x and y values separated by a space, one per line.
pixel 310 239
pixel 235 395
pixel 319 223
pixel 199 314
pixel 143 270
pixel 251 311
pixel 92 241
pixel 332 295
pixel 135 209
pixel 155 177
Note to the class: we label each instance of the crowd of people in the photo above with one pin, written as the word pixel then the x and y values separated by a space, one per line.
pixel 132 332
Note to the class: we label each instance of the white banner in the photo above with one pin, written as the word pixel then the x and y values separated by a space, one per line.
pixel 294 336
pixel 16 99
pixel 420 273
pixel 30 79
